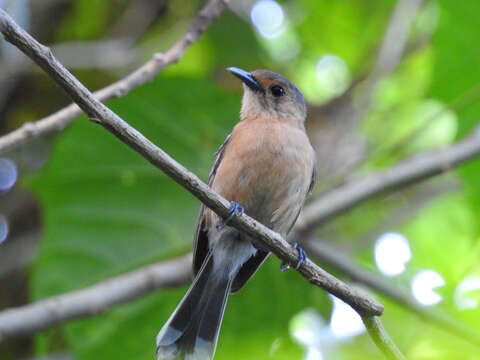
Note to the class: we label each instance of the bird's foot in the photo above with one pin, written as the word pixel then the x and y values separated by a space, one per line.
pixel 302 258
pixel 235 210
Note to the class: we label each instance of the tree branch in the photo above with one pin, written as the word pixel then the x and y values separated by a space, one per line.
pixel 99 113
pixel 462 156
pixel 413 170
pixel 335 136
pixel 59 120
pixel 380 337
pixel 396 37
pixel 95 299
pixel 331 257
pixel 391 49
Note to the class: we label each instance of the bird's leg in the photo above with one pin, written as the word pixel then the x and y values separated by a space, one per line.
pixel 235 210
pixel 302 258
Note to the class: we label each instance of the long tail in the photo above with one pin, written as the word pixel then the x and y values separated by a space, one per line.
pixel 191 332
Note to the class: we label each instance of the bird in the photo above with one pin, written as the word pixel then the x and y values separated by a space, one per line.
pixel 265 168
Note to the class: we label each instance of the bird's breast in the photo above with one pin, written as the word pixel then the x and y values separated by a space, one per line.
pixel 267 169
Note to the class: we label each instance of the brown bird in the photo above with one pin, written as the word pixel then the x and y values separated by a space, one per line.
pixel 265 167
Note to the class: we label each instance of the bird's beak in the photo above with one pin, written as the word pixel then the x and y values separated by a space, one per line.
pixel 246 77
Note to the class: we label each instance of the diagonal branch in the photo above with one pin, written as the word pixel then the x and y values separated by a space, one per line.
pixel 413 170
pixel 391 49
pixel 396 37
pixel 381 338
pixel 336 138
pixel 102 115
pixel 341 263
pixel 99 113
pixel 94 299
pixel 59 120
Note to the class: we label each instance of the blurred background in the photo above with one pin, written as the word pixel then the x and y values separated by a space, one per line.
pixel 384 80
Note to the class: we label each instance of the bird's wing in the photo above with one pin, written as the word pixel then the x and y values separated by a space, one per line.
pixel 200 242
pixel 314 179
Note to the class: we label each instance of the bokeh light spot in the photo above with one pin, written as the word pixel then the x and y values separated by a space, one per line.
pixel 392 252
pixel 423 285
pixel 467 286
pixel 333 74
pixel 8 174
pixel 345 322
pixel 268 18
pixel 314 353
pixel 3 228
pixel 306 327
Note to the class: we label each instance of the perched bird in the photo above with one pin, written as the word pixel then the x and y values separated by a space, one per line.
pixel 265 168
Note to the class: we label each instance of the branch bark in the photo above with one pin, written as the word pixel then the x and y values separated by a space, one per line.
pixel 95 299
pixel 59 120
pixel 381 339
pixel 331 257
pixel 413 170
pixel 99 113
pixel 333 127
pixel 391 49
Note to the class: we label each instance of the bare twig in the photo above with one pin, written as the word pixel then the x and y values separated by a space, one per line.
pixel 107 54
pixel 396 36
pixel 339 145
pixel 413 170
pixel 391 50
pixel 99 113
pixel 95 299
pixel 380 337
pixel 59 120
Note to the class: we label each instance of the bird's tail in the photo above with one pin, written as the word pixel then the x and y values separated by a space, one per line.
pixel 191 332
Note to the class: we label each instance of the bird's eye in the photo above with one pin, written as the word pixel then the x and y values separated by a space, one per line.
pixel 277 90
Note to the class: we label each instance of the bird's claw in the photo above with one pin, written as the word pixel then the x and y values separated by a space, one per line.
pixel 302 258
pixel 235 210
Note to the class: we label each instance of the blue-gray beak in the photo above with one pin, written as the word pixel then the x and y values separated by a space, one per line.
pixel 246 77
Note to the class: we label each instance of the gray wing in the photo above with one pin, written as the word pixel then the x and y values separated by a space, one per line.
pixel 313 180
pixel 200 241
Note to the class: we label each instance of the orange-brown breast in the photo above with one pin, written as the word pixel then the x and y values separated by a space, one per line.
pixel 267 168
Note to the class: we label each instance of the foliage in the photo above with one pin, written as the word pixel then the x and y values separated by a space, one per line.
pixel 106 211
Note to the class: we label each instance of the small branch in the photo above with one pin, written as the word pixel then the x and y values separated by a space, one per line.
pixel 396 36
pixel 95 299
pixel 380 337
pixel 391 50
pixel 339 145
pixel 59 120
pixel 363 304
pixel 102 54
pixel 413 170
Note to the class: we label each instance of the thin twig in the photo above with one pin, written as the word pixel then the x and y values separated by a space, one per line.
pixel 391 49
pixel 396 36
pixel 380 337
pixel 362 303
pixel 340 146
pixel 59 120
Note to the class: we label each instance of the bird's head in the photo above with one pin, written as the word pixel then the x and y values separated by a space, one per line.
pixel 270 95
